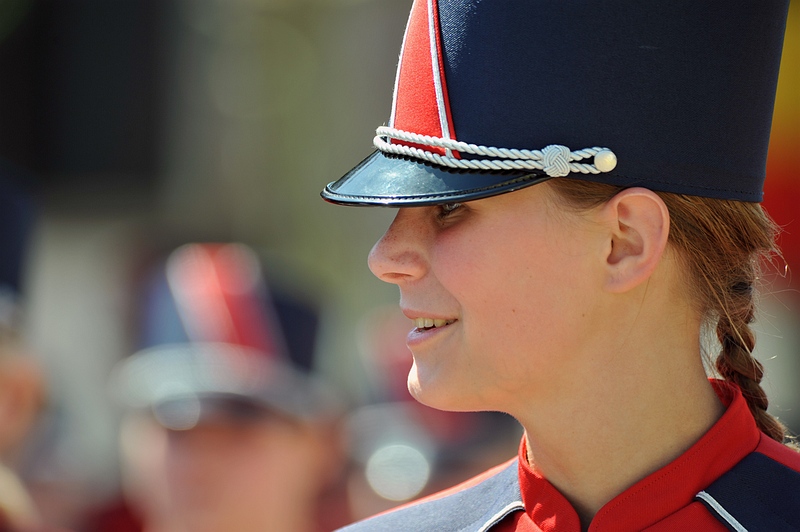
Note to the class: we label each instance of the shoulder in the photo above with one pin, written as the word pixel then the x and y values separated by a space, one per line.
pixel 761 492
pixel 772 468
pixel 779 453
pixel 474 504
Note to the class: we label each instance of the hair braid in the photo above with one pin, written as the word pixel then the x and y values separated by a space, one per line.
pixel 725 244
pixel 736 364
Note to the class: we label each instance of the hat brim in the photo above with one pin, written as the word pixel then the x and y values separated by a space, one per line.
pixel 201 372
pixel 393 181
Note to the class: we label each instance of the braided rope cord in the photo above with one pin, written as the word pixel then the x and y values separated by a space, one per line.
pixel 554 160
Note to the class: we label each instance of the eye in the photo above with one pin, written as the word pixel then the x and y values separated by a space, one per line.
pixel 446 209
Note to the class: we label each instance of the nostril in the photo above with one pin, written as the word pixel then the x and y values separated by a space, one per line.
pixel 394 263
pixel 393 268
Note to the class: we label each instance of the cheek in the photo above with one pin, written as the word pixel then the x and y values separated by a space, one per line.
pixel 519 296
pixel 508 276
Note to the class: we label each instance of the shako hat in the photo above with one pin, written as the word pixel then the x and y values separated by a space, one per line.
pixel 493 96
pixel 219 343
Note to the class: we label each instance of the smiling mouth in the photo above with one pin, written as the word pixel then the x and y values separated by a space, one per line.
pixel 430 323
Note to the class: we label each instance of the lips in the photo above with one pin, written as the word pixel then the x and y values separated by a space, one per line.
pixel 426 330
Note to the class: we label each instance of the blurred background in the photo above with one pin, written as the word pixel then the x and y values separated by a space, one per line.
pixel 141 125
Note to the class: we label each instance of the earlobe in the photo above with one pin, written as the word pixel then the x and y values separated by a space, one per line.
pixel 639 227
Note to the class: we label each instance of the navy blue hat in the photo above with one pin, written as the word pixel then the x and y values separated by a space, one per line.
pixel 218 343
pixel 16 224
pixel 494 96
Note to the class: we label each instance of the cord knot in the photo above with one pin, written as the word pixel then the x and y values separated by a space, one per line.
pixel 555 160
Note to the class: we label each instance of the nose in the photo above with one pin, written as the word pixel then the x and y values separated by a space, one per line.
pixel 398 256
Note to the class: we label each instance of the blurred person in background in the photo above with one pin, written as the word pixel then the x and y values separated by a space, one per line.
pixel 22 384
pixel 571 285
pixel 228 427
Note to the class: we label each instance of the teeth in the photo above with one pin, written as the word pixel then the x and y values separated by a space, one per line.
pixel 427 323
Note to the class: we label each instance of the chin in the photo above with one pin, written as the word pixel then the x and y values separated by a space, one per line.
pixel 438 393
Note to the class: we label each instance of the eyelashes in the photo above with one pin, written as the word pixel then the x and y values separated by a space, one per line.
pixel 446 209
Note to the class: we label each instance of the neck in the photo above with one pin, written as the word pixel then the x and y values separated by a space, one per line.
pixel 621 416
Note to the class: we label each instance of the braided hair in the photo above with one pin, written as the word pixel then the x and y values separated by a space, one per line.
pixel 723 245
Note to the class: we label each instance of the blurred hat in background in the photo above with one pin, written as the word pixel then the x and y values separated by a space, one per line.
pixel 17 215
pixel 217 343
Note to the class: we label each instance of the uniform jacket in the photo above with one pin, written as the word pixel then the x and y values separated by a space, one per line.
pixel 733 462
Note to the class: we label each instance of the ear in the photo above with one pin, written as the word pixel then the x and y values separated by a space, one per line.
pixel 638 221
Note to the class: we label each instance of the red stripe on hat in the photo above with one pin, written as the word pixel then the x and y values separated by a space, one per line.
pixel 416 106
pixel 222 297
pixel 194 286
pixel 244 294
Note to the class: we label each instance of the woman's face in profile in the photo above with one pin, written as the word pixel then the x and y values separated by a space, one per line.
pixel 498 289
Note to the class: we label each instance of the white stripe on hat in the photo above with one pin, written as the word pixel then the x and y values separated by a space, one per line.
pixel 437 77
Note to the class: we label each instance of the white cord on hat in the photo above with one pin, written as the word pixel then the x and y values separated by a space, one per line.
pixel 555 160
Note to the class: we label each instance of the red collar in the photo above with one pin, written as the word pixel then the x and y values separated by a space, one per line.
pixel 661 493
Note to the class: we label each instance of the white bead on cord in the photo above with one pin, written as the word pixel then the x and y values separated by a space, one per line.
pixel 555 160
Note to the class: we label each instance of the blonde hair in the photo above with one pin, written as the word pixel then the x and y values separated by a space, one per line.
pixel 723 245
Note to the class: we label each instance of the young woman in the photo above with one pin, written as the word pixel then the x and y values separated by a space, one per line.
pixel 578 305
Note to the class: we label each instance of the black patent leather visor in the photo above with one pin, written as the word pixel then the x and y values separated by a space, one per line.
pixel 392 181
